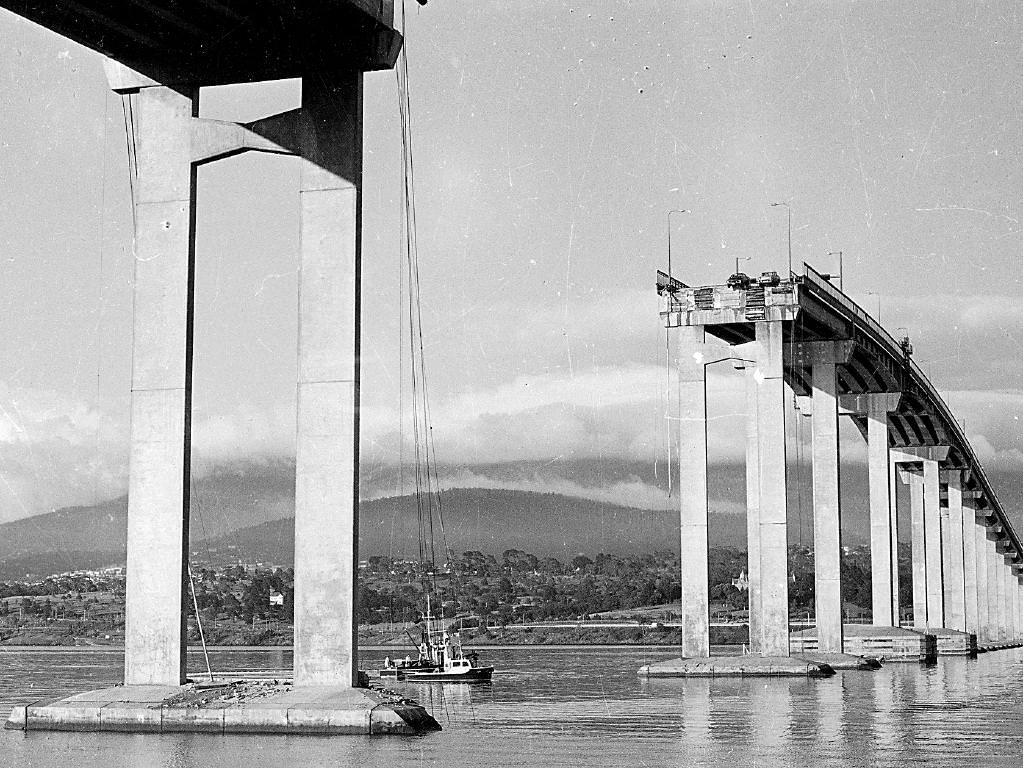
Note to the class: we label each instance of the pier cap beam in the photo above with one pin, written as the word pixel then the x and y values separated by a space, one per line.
pixel 920 453
pixel 871 402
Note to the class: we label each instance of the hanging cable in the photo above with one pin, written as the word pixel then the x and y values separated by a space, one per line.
pixel 198 623
pixel 426 480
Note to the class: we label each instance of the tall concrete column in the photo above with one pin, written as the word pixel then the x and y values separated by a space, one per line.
pixel 971 606
pixel 158 472
pixel 773 506
pixel 946 554
pixel 1010 598
pixel 983 588
pixel 932 545
pixel 955 577
pixel 1003 613
pixel 1003 573
pixel 893 506
pixel 756 642
pixel 916 500
pixel 827 542
pixel 1018 592
pixel 693 492
pixel 327 459
pixel 883 523
pixel 994 586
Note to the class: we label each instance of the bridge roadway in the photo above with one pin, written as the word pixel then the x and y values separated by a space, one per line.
pixel 805 335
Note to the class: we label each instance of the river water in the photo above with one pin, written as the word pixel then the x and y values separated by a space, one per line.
pixel 581 707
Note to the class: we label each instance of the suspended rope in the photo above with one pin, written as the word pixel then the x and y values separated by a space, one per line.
pixel 198 623
pixel 425 475
pixel 98 332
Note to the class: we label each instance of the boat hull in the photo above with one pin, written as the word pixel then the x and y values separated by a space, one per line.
pixel 473 675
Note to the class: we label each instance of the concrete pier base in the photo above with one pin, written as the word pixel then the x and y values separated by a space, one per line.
pixel 737 666
pixel 321 710
pixel 952 642
pixel 886 643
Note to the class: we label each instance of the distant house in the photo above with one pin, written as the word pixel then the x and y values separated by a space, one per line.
pixel 276 598
pixel 854 612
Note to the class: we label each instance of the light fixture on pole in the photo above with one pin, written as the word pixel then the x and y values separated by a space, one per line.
pixel 676 210
pixel 878 295
pixel 789 209
pixel 841 281
pixel 738 259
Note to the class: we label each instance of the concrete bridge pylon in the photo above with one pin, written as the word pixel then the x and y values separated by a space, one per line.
pixel 172 141
pixel 329 47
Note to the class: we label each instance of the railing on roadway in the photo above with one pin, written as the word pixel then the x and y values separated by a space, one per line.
pixel 844 302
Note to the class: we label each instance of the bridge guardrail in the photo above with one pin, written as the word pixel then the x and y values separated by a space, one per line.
pixel 846 303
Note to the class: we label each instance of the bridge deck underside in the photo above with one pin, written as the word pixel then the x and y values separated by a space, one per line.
pixel 206 42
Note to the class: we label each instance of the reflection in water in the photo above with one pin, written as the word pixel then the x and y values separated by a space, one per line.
pixel 830 695
pixel 771 708
pixel 696 715
pixel 570 707
pixel 885 734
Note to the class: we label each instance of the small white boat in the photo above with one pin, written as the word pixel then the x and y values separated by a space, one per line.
pixel 441 661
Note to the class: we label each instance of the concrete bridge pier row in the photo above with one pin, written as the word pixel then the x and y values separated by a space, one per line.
pixel 763 358
pixel 883 637
pixel 171 141
pixel 768 558
pixel 939 599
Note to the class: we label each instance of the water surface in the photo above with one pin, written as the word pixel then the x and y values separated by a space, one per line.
pixel 581 707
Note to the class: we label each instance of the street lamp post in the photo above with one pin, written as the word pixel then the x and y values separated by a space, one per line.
pixel 788 208
pixel 676 210
pixel 841 279
pixel 878 295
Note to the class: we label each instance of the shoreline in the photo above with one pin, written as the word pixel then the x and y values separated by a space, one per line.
pixel 375 648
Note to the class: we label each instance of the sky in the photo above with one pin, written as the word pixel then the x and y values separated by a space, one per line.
pixel 551 140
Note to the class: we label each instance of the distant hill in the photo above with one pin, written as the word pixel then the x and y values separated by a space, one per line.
pixel 92 537
pixel 483 519
pixel 488 520
pixel 245 513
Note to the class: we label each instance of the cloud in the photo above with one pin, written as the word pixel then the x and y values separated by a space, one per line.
pixel 993 422
pixel 56 451
pixel 960 340
pixel 624 412
pixel 630 492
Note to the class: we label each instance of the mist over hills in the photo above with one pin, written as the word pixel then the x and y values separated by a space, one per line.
pixel 246 513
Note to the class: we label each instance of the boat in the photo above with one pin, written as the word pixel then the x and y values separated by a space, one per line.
pixel 440 660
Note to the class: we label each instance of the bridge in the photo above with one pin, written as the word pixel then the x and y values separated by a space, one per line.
pixel 798 332
pixel 159 56
pixel 803 334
